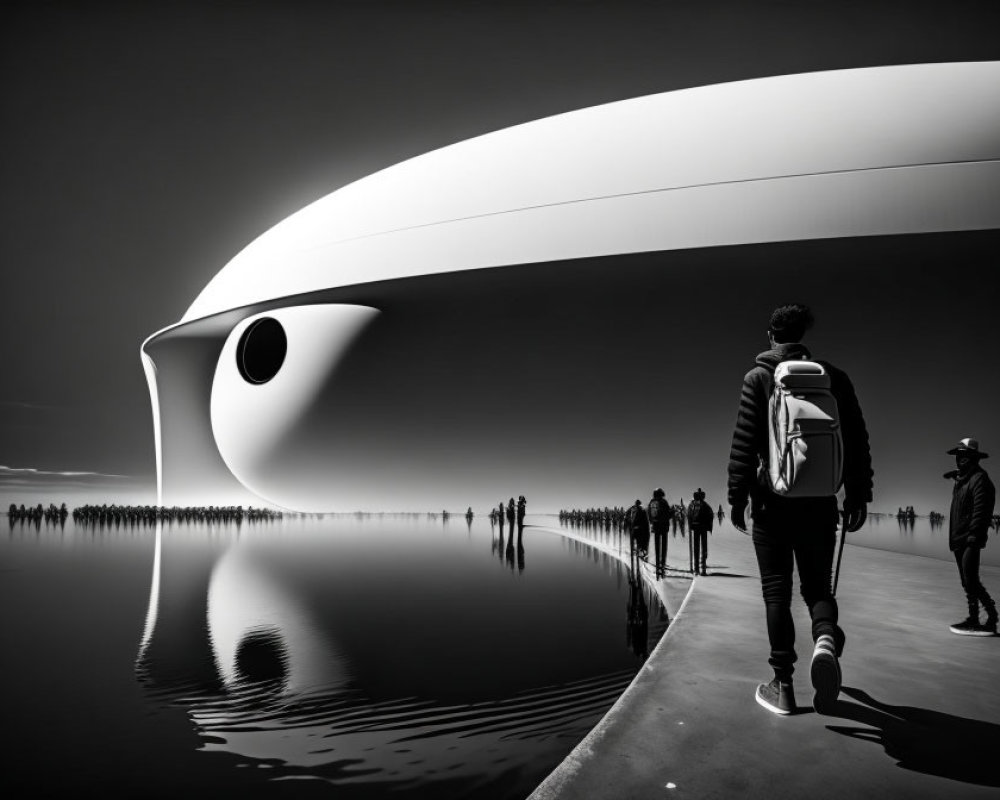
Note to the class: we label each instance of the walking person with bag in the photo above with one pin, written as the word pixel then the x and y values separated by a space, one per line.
pixel 700 521
pixel 659 512
pixel 800 437
pixel 972 502
pixel 638 523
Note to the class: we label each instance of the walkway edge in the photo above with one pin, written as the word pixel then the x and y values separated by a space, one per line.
pixel 552 786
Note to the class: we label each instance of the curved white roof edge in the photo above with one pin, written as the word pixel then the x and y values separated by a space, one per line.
pixel 884 150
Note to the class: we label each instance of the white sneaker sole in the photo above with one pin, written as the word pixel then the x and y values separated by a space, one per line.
pixel 966 632
pixel 772 708
pixel 825 675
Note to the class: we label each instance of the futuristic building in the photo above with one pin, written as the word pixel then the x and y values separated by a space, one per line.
pixel 249 384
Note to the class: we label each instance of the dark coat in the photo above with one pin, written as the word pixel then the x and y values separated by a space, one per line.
pixel 639 524
pixel 972 502
pixel 638 520
pixel 660 514
pixel 700 516
pixel 748 456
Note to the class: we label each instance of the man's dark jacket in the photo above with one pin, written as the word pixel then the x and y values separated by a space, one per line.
pixel 639 521
pixel 659 520
pixel 700 516
pixel 749 454
pixel 972 502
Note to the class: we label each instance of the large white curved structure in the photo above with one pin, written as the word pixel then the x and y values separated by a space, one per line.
pixel 852 153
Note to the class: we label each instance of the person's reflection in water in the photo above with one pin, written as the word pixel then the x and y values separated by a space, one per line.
pixel 520 553
pixel 499 548
pixel 510 551
pixel 637 617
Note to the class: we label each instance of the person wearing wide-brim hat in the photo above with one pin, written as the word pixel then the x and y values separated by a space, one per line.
pixel 972 502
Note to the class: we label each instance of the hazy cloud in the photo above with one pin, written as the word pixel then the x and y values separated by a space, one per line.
pixel 30 472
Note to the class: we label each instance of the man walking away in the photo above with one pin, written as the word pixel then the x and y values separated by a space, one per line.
pixel 789 529
pixel 660 513
pixel 700 521
pixel 972 502
pixel 639 532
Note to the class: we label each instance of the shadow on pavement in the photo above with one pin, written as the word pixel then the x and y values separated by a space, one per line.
pixel 926 741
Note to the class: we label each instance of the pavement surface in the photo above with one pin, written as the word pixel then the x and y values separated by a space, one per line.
pixel 918 717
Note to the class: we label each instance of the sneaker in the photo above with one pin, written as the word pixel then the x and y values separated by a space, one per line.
pixel 776 697
pixel 825 674
pixel 971 627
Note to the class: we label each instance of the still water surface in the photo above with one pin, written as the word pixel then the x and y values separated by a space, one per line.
pixel 917 537
pixel 400 655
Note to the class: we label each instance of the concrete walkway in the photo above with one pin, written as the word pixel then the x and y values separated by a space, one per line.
pixel 919 716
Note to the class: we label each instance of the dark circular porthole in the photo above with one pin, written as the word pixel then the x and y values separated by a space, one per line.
pixel 261 350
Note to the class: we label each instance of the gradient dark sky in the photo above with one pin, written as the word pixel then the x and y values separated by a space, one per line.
pixel 144 145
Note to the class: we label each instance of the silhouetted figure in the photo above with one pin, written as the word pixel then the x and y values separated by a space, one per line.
pixel 800 530
pixel 468 514
pixel 521 505
pixel 500 516
pixel 700 519
pixel 638 522
pixel 511 513
pixel 721 515
pixel 660 514
pixel 972 501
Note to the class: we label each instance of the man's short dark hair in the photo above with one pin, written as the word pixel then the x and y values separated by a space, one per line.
pixel 789 323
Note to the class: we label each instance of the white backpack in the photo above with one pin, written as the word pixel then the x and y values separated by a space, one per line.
pixel 805 445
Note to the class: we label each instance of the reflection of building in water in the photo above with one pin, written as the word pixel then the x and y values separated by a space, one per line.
pixel 253 657
pixel 219 622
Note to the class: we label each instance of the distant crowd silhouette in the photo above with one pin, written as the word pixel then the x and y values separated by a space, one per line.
pixel 512 512
pixel 105 514
pixel 657 519
pixel 37 513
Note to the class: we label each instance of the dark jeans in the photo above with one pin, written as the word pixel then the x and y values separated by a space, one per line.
pixel 660 543
pixel 699 540
pixel 800 532
pixel 967 559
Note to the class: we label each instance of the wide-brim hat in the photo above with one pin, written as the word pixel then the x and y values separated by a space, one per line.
pixel 969 447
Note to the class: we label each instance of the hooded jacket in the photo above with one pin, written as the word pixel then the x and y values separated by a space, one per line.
pixel 749 453
pixel 972 502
